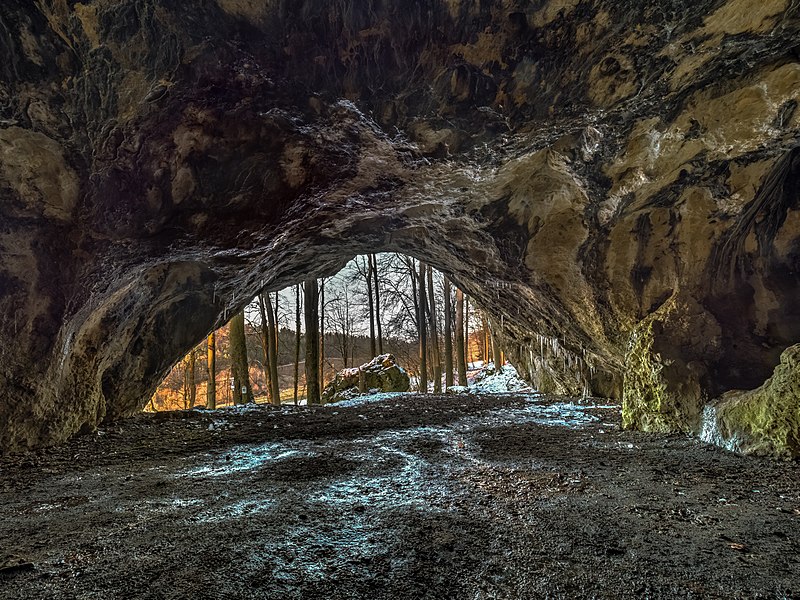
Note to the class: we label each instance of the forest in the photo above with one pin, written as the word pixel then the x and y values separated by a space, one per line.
pixel 377 304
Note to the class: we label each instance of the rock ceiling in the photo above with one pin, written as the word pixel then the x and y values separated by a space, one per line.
pixel 617 182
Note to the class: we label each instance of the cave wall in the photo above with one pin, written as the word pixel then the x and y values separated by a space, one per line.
pixel 616 181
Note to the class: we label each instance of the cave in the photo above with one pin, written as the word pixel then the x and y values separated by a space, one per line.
pixel 615 182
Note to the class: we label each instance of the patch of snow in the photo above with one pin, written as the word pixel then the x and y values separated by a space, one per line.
pixel 489 381
pixel 240 458
pixel 366 399
pixel 243 408
pixel 560 414
pixel 239 408
pixel 236 510
pixel 457 389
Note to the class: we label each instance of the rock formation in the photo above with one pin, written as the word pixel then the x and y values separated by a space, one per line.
pixel 381 374
pixel 765 420
pixel 616 181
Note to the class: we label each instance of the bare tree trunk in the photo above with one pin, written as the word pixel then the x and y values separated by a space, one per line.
pixel 470 359
pixel 412 274
pixel 211 369
pixel 266 334
pixel 414 295
pixel 321 311
pixel 448 335
pixel 434 342
pixel 192 378
pixel 242 392
pixel 423 331
pixel 228 387
pixel 486 343
pixel 268 327
pixel 264 338
pixel 311 312
pixel 273 359
pixel 346 329
pixel 372 345
pixel 376 285
pixel 497 354
pixel 322 350
pixel 235 348
pixel 461 355
pixel 185 364
pixel 297 344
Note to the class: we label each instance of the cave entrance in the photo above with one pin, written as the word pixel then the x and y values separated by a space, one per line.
pixel 369 309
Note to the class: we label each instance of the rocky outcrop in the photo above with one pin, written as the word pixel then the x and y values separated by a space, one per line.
pixel 764 421
pixel 381 374
pixel 615 181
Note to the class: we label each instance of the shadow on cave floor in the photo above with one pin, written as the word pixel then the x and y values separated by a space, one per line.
pixel 413 497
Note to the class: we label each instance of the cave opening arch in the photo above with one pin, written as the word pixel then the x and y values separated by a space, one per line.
pixel 191 302
pixel 601 183
pixel 359 324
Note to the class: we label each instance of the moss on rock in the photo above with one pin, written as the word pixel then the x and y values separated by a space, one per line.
pixel 766 421
pixel 646 402
pixel 666 372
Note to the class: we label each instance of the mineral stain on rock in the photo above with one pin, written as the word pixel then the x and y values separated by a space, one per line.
pixel 618 176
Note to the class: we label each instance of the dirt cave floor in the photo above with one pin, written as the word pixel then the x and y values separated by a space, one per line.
pixel 474 497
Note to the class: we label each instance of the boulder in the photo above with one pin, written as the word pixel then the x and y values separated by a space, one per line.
pixel 381 374
pixel 764 421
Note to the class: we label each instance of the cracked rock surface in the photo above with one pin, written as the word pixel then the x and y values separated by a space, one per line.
pixel 617 182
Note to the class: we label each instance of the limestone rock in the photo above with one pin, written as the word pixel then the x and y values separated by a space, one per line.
pixel 764 421
pixel 381 374
pixel 615 181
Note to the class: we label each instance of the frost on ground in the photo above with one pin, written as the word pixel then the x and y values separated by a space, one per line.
pixel 449 496
pixel 367 399
pixel 482 379
pixel 249 407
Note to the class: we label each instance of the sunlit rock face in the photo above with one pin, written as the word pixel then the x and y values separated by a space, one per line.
pixel 617 182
